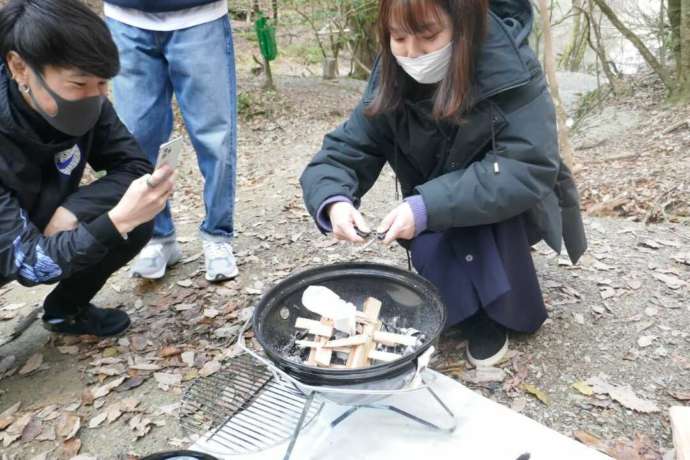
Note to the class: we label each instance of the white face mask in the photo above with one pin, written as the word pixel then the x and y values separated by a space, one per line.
pixel 428 68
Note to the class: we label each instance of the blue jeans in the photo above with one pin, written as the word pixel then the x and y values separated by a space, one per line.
pixel 197 64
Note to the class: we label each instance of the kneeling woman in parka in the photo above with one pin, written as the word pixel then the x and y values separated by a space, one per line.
pixel 458 106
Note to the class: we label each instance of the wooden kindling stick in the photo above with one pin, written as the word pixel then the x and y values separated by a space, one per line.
pixel 360 355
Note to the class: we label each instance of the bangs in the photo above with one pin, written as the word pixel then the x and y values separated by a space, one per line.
pixel 414 16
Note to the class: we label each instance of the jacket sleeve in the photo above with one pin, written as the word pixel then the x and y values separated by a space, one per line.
pixel 350 160
pixel 31 258
pixel 114 150
pixel 528 162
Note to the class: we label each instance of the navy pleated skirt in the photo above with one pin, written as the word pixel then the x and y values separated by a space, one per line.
pixel 486 267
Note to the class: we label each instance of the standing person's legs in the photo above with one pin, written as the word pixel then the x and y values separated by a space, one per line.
pixel 202 69
pixel 143 95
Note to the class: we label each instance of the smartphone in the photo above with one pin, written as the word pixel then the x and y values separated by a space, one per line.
pixel 169 153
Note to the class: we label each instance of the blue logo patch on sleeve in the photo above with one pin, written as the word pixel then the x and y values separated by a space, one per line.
pixel 68 160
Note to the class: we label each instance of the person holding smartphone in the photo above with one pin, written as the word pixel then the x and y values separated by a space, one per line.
pixel 57 58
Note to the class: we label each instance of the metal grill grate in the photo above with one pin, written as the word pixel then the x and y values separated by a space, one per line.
pixel 242 409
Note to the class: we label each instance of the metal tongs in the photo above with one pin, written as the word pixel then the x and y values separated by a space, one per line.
pixel 372 236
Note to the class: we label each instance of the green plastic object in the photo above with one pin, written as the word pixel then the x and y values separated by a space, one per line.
pixel 266 33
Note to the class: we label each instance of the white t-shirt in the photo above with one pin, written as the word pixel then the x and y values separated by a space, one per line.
pixel 169 20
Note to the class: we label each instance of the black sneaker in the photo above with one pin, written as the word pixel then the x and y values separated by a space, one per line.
pixel 487 341
pixel 101 322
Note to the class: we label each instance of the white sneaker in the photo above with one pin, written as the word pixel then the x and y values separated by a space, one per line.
pixel 155 258
pixel 220 261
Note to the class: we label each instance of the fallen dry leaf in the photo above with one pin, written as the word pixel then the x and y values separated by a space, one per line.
pixel 140 425
pixel 591 441
pixel 533 390
pixel 68 349
pixel 130 383
pixel 20 423
pixel 69 449
pixel 188 358
pixel 33 363
pixel 211 313
pixel 48 434
pixel 7 315
pixel 73 407
pixel 579 318
pixel 484 375
pixel 169 351
pixel 110 352
pixel 672 281
pixel 680 395
pixel 583 388
pixel 622 394
pixel 8 415
pixel 103 390
pixel 641 448
pixel 650 244
pixel 113 411
pixel 190 375
pixel 67 425
pixel 15 430
pixel 137 342
pixel 48 413
pixel 97 420
pixel 129 404
pixel 109 371
pixel 87 397
pixel 32 430
pixel 145 367
pixel 185 283
pixel 166 380
pixel 209 368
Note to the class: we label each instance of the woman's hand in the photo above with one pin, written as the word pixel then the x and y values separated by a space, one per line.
pixel 398 224
pixel 344 218
pixel 143 200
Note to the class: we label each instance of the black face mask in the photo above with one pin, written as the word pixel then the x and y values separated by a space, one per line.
pixel 74 118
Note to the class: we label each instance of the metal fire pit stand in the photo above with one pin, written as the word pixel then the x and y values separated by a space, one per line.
pixel 418 383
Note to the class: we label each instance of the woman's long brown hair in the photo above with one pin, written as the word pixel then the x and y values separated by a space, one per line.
pixel 469 21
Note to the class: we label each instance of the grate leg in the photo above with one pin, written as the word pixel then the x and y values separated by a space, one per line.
pixel 345 415
pixel 449 429
pixel 298 428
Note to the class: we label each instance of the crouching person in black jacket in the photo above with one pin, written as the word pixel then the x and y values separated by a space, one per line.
pixel 54 119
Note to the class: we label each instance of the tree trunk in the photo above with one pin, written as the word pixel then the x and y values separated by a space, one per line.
pixel 550 68
pixel 363 47
pixel 673 11
pixel 641 47
pixel 599 48
pixel 662 33
pixel 572 57
pixel 684 67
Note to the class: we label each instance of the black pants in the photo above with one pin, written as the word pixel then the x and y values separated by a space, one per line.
pixel 76 292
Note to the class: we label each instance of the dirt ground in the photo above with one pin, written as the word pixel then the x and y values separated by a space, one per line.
pixel 619 321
